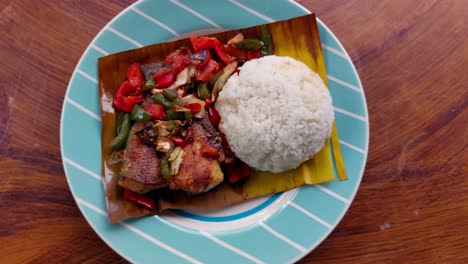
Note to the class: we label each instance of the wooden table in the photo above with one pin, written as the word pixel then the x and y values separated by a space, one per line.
pixel 412 57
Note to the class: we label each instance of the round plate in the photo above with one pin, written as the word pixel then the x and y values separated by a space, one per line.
pixel 290 224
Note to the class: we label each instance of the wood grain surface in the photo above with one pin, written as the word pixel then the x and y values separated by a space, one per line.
pixel 412 57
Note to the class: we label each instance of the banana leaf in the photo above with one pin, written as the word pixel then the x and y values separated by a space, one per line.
pixel 297 38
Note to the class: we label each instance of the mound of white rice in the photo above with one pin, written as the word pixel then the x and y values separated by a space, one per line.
pixel 276 113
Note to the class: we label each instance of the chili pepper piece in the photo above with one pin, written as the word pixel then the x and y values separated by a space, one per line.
pixel 171 57
pixel 179 63
pixel 234 51
pixel 218 47
pixel 251 44
pixel 118 121
pixel 253 54
pixel 139 199
pixel 161 72
pixel 211 69
pixel 213 116
pixel 138 114
pixel 179 141
pixel 238 171
pixel 149 84
pixel 161 100
pixel 188 116
pixel 173 115
pixel 126 97
pixel 208 102
pixel 202 43
pixel 121 139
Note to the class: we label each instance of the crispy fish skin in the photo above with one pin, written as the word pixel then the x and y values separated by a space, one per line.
pixel 198 172
pixel 209 133
pixel 141 167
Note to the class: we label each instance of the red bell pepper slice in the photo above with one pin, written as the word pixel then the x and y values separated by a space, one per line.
pixel 156 111
pixel 179 63
pixel 161 72
pixel 127 96
pixel 207 43
pixel 194 108
pixel 202 43
pixel 166 81
pixel 139 199
pixel 180 52
pixel 134 75
pixel 211 69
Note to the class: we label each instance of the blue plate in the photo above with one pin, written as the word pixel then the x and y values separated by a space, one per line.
pixel 278 229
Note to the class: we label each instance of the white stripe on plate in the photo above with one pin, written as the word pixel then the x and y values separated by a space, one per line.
pixel 250 10
pixel 230 247
pixel 154 20
pixel 87 76
pixel 333 50
pixel 346 84
pixel 351 146
pixel 90 206
pixel 353 115
pixel 285 239
pixel 81 168
pixel 127 38
pixel 159 243
pixel 83 109
pixel 140 233
pixel 332 193
pixel 209 21
pixel 94 46
pixel 311 215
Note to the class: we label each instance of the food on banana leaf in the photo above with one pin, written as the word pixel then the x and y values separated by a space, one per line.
pixel 211 121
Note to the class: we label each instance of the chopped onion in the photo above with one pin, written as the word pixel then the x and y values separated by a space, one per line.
pixel 192 72
pixel 160 127
pixel 176 158
pixel 236 40
pixel 164 144
pixel 156 90
pixel 218 86
pixel 181 109
pixel 182 78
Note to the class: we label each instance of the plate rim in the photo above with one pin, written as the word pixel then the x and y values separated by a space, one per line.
pixel 361 172
pixel 308 249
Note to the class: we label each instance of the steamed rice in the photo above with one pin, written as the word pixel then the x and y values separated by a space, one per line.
pixel 276 113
